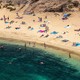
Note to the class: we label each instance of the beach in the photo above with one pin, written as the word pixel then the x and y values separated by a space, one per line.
pixel 28 52
pixel 55 23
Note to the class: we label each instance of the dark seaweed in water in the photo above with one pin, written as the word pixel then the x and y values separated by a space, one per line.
pixel 18 63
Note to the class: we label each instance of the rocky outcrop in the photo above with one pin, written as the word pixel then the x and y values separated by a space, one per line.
pixel 41 5
pixel 46 5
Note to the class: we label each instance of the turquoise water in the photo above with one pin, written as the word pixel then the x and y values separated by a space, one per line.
pixel 20 63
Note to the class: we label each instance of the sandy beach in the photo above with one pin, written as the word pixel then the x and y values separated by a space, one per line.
pixel 28 29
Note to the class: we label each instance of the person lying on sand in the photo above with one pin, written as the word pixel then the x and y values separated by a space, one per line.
pixel 60 36
pixel 23 22
pixel 77 30
pixel 29 27
pixel 46 36
pixel 42 35
pixel 65 40
pixel 41 31
pixel 8 27
pixel 11 22
pixel 68 26
pixel 17 28
pixel 1 18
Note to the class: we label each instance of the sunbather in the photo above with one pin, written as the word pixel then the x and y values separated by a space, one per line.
pixel 29 27
pixel 8 27
pixel 42 35
pixel 17 28
pixel 47 36
pixel 77 30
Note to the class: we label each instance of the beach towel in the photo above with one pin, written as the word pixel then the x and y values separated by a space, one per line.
pixel 31 29
pixel 67 26
pixel 54 32
pixel 78 44
pixel 6 22
pixel 41 31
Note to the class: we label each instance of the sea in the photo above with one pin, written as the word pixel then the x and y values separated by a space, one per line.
pixel 18 62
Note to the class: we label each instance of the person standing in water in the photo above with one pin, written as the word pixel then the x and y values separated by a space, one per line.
pixel 69 55
pixel 34 44
pixel 29 43
pixel 44 45
pixel 25 46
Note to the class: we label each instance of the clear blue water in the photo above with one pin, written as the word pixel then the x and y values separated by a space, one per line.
pixel 25 64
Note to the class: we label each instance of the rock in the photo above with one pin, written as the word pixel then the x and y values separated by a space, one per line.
pixel 32 6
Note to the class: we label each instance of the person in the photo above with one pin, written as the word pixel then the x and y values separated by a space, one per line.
pixel 8 18
pixel 4 18
pixel 34 44
pixel 29 43
pixel 33 20
pixel 46 35
pixel 41 62
pixel 29 27
pixel 74 43
pixel 17 14
pixel 45 17
pixel 44 45
pixel 69 55
pixel 19 49
pixel 42 35
pixel 2 47
pixel 25 45
pixel 34 14
pixel 39 19
pixel 64 32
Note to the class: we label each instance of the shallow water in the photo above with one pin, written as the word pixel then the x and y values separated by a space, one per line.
pixel 33 64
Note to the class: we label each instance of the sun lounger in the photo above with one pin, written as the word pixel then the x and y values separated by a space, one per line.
pixel 41 31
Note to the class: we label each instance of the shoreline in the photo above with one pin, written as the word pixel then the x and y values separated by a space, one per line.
pixel 53 47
